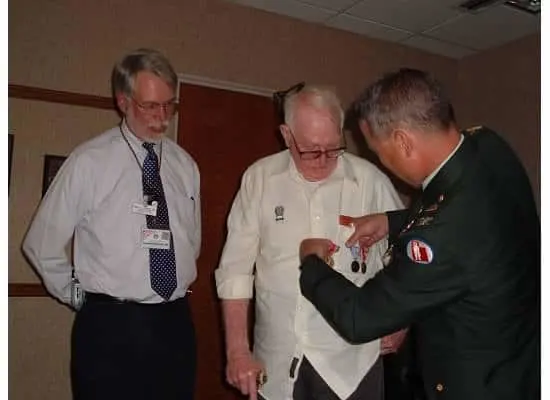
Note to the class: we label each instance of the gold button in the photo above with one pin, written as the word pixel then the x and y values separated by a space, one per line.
pixel 439 387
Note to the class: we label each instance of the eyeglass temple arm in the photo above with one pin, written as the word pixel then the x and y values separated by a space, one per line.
pixel 281 94
pixel 279 97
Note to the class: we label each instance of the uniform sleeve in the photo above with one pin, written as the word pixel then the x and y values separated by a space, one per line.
pixel 235 274
pixel 397 295
pixel 53 226
pixel 396 220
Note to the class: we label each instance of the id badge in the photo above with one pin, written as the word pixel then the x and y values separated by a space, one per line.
pixel 145 209
pixel 155 238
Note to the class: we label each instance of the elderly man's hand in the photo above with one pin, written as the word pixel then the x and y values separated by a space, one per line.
pixel 369 229
pixel 243 372
pixel 323 248
pixel 392 342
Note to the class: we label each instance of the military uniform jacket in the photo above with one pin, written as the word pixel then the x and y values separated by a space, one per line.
pixel 465 269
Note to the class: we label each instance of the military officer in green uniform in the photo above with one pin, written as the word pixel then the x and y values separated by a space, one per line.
pixel 463 266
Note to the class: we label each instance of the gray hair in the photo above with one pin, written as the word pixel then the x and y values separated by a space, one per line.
pixel 407 98
pixel 125 71
pixel 319 97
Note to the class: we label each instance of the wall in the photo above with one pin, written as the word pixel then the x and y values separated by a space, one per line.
pixel 39 328
pixel 69 45
pixel 500 88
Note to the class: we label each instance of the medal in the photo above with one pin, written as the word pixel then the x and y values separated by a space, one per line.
pixel 332 248
pixel 279 214
pixel 261 378
pixel 354 250
pixel 363 259
pixel 359 256
pixel 355 266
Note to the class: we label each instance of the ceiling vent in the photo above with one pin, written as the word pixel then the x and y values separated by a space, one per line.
pixel 530 6
pixel 476 5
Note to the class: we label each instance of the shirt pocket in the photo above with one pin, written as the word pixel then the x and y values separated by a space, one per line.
pixel 181 206
pixel 188 204
pixel 281 231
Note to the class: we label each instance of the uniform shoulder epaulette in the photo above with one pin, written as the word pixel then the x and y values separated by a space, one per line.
pixel 473 130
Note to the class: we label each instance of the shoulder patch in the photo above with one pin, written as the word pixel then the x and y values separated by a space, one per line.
pixel 419 252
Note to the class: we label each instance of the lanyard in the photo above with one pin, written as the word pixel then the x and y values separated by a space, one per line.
pixel 134 153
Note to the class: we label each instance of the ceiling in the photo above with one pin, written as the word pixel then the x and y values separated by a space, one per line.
pixel 436 26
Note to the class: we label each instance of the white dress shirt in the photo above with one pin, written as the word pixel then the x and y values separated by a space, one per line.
pixel 91 198
pixel 274 210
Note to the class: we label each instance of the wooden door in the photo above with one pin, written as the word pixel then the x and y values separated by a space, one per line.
pixel 225 132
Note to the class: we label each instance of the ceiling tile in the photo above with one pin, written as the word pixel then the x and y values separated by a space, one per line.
pixel 336 5
pixel 411 15
pixel 488 28
pixel 438 26
pixel 438 47
pixel 367 28
pixel 290 8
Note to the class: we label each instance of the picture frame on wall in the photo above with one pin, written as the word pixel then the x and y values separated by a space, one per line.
pixel 52 163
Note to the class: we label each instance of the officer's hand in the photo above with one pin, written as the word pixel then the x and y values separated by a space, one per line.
pixel 323 248
pixel 369 229
pixel 392 342
pixel 242 372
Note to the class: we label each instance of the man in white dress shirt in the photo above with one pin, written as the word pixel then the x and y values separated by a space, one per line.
pixel 133 336
pixel 284 198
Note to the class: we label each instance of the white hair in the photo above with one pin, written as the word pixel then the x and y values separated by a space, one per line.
pixel 319 97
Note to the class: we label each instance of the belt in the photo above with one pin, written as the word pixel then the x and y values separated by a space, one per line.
pixel 101 298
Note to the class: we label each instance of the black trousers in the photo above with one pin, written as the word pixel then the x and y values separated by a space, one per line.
pixel 402 376
pixel 124 350
pixel 310 386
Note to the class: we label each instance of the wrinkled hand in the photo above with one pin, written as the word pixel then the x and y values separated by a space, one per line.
pixel 392 342
pixel 323 248
pixel 369 229
pixel 242 372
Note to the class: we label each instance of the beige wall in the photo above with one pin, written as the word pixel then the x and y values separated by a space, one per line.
pixel 500 88
pixel 71 45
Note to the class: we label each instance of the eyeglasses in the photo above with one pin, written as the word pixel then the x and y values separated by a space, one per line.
pixel 308 155
pixel 280 96
pixel 150 107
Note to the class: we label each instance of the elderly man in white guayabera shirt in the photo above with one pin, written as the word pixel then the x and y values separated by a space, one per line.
pixel 284 198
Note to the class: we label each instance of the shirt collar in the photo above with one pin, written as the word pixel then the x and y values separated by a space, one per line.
pixel 135 142
pixel 434 173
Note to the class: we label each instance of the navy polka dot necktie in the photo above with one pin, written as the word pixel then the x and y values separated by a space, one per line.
pixel 162 261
